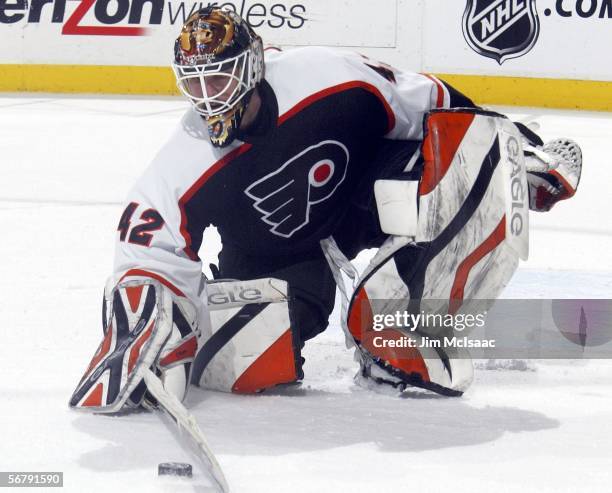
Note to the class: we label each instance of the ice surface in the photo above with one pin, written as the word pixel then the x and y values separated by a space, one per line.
pixel 67 164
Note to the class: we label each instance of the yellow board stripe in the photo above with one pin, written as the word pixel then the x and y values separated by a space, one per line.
pixel 97 79
pixel 522 91
pixel 104 79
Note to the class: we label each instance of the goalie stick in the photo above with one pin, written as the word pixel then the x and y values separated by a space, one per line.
pixel 186 422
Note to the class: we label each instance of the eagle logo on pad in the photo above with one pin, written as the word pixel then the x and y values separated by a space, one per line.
pixel 285 197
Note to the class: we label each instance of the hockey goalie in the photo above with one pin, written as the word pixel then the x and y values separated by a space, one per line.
pixel 301 159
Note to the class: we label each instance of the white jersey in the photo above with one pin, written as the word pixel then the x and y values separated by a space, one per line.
pixel 283 187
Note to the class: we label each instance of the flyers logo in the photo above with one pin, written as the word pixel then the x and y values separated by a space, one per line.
pixel 285 197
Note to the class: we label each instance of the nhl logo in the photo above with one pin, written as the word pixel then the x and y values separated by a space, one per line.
pixel 501 29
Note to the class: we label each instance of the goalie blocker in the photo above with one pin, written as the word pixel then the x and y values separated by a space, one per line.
pixel 145 326
pixel 464 228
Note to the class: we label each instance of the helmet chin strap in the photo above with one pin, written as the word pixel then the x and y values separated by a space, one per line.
pixel 222 129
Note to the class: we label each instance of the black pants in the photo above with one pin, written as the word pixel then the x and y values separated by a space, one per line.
pixel 311 283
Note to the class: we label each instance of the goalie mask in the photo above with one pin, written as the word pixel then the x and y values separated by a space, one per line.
pixel 218 61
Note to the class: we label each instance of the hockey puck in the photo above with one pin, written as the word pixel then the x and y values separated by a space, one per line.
pixel 174 469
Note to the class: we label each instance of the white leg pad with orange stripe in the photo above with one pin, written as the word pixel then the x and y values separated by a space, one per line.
pixel 472 227
pixel 250 345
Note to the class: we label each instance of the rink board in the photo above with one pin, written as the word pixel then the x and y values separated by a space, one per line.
pixel 124 46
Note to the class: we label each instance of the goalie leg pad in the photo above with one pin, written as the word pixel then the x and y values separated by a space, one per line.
pixel 251 345
pixel 472 226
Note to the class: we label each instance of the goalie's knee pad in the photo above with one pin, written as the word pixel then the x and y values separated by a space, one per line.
pixel 145 326
pixel 470 229
pixel 251 345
